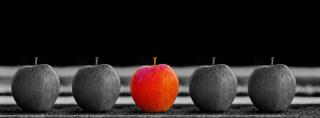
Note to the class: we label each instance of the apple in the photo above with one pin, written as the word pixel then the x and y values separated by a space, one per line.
pixel 154 88
pixel 96 88
pixel 213 88
pixel 272 88
pixel 35 88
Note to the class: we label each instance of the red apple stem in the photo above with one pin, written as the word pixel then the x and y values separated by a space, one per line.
pixel 97 60
pixel 272 60
pixel 154 60
pixel 35 60
pixel 213 60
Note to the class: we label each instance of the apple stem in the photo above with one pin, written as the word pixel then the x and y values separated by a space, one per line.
pixel 213 60
pixel 154 60
pixel 272 60
pixel 35 60
pixel 97 60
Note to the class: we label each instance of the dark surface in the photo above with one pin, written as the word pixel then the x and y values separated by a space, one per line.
pixel 242 110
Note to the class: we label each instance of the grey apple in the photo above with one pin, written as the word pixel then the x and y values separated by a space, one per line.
pixel 96 88
pixel 213 88
pixel 35 88
pixel 272 88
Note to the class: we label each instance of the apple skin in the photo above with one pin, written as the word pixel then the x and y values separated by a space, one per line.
pixel 96 88
pixel 154 88
pixel 213 88
pixel 35 88
pixel 272 88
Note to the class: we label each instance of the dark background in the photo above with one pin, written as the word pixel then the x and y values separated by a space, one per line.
pixel 57 46
pixel 123 38
pixel 185 60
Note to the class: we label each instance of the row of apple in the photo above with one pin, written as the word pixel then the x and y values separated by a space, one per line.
pixel 154 88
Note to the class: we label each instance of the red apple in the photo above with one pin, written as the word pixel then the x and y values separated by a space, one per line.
pixel 154 88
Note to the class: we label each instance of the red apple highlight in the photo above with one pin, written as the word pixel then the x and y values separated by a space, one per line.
pixel 154 88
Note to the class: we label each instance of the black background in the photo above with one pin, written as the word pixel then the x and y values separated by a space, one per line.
pixel 236 38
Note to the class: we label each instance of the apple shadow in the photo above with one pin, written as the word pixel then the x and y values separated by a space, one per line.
pixel 90 112
pixel 137 111
pixel 202 111
pixel 199 111
pixel 268 112
pixel 35 112
pixel 20 111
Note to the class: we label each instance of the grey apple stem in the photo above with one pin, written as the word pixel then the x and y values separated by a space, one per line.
pixel 35 60
pixel 154 60
pixel 213 60
pixel 272 60
pixel 97 60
